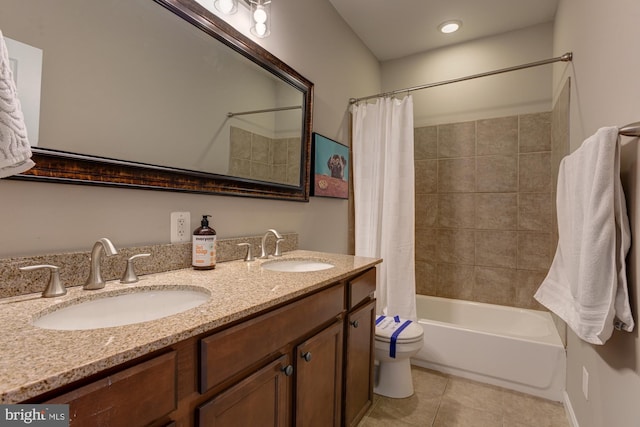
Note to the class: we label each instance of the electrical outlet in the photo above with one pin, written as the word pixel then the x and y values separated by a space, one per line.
pixel 180 227
pixel 585 383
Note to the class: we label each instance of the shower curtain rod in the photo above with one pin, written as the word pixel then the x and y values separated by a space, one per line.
pixel 268 110
pixel 565 58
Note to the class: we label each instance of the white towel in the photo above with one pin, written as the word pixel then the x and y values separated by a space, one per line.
pixel 15 150
pixel 587 284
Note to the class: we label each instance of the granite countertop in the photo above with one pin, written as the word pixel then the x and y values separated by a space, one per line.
pixel 34 360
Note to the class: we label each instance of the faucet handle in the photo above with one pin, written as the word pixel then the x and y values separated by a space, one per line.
pixel 249 256
pixel 129 275
pixel 54 288
pixel 277 251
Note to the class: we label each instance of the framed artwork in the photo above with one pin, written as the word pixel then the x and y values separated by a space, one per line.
pixel 330 168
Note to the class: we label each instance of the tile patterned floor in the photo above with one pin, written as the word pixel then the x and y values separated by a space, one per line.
pixel 442 400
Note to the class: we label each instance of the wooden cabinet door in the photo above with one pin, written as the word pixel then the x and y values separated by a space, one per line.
pixel 359 354
pixel 262 399
pixel 318 378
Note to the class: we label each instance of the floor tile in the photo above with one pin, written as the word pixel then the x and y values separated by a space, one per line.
pixel 442 400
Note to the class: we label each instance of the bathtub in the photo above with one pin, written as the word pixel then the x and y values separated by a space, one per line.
pixel 509 347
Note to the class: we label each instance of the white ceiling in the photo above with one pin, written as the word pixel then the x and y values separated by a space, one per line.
pixel 396 28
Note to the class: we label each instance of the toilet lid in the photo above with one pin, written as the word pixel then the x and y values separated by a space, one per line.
pixel 386 327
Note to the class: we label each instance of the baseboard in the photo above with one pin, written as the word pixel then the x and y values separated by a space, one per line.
pixel 573 421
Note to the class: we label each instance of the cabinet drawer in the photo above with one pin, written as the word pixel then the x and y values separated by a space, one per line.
pixel 361 288
pixel 229 352
pixel 135 396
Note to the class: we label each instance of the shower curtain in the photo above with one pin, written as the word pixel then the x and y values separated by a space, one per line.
pixel 384 199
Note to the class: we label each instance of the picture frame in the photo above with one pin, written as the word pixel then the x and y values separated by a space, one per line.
pixel 330 161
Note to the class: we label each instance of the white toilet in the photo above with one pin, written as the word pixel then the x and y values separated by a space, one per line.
pixel 397 340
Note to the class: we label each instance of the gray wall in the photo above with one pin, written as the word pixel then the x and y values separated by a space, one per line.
pixel 605 91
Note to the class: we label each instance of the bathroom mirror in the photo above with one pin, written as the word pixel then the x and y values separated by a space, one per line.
pixel 162 94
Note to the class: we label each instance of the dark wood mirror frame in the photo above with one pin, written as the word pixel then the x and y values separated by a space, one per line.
pixel 63 167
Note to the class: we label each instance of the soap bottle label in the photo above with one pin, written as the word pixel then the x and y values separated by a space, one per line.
pixel 204 251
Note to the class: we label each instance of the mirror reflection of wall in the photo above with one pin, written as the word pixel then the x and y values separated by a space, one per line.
pixel 132 81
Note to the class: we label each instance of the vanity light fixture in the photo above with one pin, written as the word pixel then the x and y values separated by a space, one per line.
pixel 260 14
pixel 448 27
pixel 228 7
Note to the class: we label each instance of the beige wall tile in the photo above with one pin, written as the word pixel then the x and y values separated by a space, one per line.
pixel 534 251
pixel 426 176
pixel 535 173
pixel 279 173
pixel 279 152
pixel 426 244
pixel 497 136
pixel 495 285
pixel 426 206
pixel 240 167
pixel 457 140
pixel 425 143
pixel 497 174
pixel 240 141
pixel 527 283
pixel 496 211
pixel 535 211
pixel 456 246
pixel 496 248
pixel 456 210
pixel 426 278
pixel 456 175
pixel 484 199
pixel 455 281
pixel 260 171
pixel 259 148
pixel 535 132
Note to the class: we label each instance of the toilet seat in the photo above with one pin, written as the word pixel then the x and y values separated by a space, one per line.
pixel 386 326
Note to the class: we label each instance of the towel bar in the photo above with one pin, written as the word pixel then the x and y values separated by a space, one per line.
pixel 632 129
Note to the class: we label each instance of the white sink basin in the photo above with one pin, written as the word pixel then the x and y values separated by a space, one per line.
pixel 122 309
pixel 296 265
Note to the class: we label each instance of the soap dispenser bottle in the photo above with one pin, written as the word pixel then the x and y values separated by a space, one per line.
pixel 204 246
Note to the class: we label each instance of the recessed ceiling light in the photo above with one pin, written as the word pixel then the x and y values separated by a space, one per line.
pixel 449 26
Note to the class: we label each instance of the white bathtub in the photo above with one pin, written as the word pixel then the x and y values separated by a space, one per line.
pixel 509 347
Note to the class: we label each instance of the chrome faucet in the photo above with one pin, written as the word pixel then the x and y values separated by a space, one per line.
pixel 95 280
pixel 263 249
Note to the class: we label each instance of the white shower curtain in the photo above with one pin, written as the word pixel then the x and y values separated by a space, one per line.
pixel 384 198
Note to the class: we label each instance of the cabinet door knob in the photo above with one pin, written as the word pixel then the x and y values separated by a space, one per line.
pixel 307 356
pixel 355 323
pixel 288 370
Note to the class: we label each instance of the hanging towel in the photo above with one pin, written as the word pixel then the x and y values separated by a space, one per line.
pixel 15 151
pixel 587 285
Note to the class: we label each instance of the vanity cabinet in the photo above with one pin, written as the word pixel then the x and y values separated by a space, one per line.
pixel 308 362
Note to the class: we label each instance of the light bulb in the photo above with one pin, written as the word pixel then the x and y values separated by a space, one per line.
pixel 227 7
pixel 260 16
pixel 449 27
pixel 260 28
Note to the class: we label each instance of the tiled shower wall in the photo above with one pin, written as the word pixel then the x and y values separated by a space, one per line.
pixel 264 159
pixel 485 218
